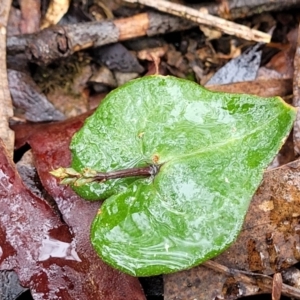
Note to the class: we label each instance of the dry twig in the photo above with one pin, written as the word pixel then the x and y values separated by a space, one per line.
pixel 265 282
pixel 6 110
pixel 277 286
pixel 62 41
pixel 242 8
pixel 206 19
pixel 296 96
pixel 262 88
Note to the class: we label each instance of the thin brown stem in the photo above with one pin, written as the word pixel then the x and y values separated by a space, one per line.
pixel 87 175
pixel 150 170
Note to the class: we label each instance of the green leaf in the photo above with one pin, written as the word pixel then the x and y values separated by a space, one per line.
pixel 213 149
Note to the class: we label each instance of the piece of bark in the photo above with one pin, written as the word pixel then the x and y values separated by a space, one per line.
pixel 28 97
pixel 6 109
pixel 296 96
pixel 62 41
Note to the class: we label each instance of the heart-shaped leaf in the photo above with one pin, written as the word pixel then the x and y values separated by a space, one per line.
pixel 211 149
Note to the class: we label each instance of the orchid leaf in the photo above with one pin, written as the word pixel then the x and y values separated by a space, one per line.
pixel 211 149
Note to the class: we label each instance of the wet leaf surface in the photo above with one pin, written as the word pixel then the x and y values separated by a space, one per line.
pixel 194 207
pixel 50 146
pixel 117 58
pixel 268 243
pixel 196 58
pixel 36 244
pixel 10 288
pixel 241 68
pixel 269 239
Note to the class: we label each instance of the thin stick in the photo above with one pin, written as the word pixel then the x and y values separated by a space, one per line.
pixel 242 8
pixel 296 96
pixel 133 172
pixel 206 19
pixel 6 108
pixel 261 280
pixel 62 41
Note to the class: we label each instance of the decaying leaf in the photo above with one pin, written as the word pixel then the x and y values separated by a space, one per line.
pixel 117 58
pixel 241 68
pixel 50 147
pixel 210 150
pixel 38 246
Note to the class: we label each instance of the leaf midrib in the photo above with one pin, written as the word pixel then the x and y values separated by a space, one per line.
pixel 221 145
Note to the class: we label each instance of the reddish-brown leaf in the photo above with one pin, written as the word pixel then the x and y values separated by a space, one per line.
pixel 50 146
pixel 42 250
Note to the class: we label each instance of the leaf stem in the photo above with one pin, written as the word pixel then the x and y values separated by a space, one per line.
pixel 150 170
pixel 87 175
